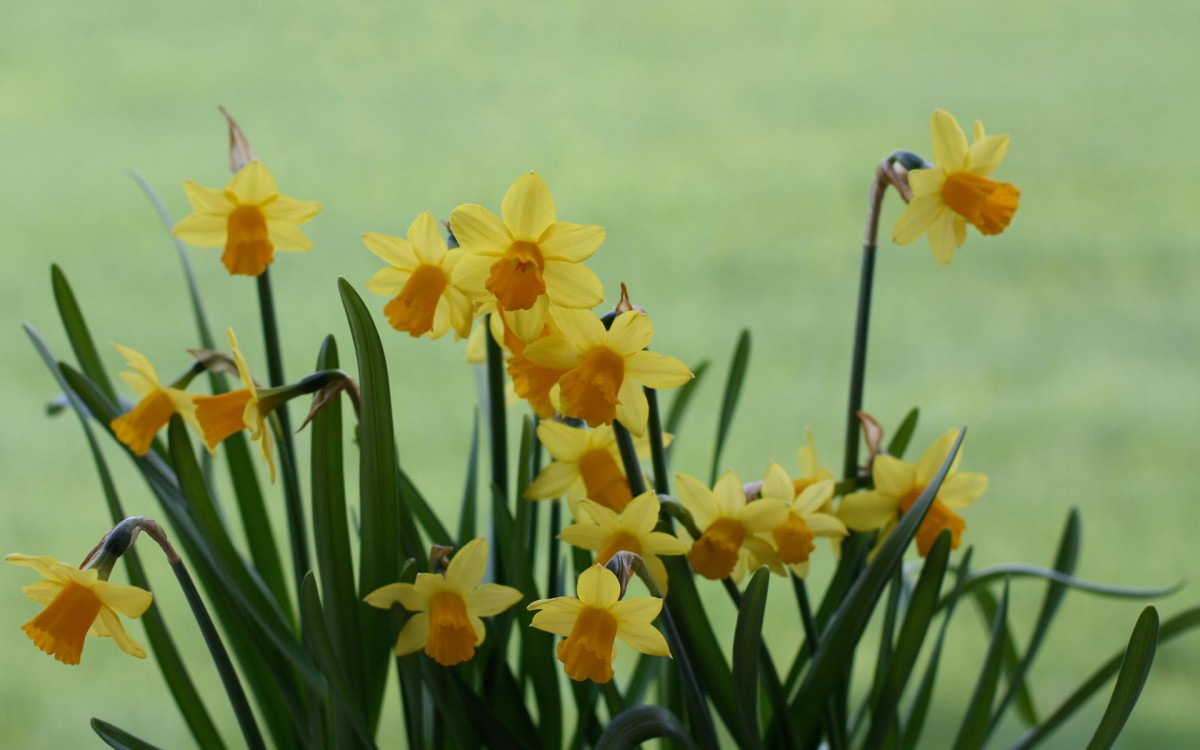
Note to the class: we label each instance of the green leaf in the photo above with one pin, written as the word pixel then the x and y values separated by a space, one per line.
pixel 984 576
pixel 494 405
pixel 118 738
pixel 747 640
pixel 467 516
pixel 987 608
pixel 636 725
pixel 317 635
pixel 1135 668
pixel 973 731
pixel 733 391
pixel 904 433
pixel 78 334
pixel 425 515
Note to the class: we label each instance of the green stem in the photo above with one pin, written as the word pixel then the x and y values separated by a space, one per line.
pixel 633 469
pixel 658 453
pixel 496 417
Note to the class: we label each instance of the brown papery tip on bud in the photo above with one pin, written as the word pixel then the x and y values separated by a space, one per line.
pixel 241 152
pixel 872 434
pixel 439 557
pixel 621 566
pixel 215 361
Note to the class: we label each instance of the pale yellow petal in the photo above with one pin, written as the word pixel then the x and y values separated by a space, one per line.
pixel 564 442
pixel 641 515
pixel 43 592
pixel 917 217
pixel 468 566
pixel 388 281
pixel 933 458
pixel 823 524
pixel 572 285
pixel 641 609
pixel 552 481
pixel 597 587
pixel 644 638
pixel 287 237
pixel 573 243
pixel 413 635
pixel 206 200
pixel 130 601
pixel 867 511
pixel 949 142
pixel 426 237
pixel 661 543
pixel 392 250
pixel 471 273
pixel 655 567
pixel 138 362
pixel 404 594
pixel 605 518
pixel 698 499
pixel 556 616
pixel 730 495
pixel 777 483
pixel 962 490
pixel 253 185
pixel 528 325
pixel 633 410
pixel 763 514
pixel 116 631
pixel 202 230
pixel 814 496
pixel 479 231
pixel 479 628
pixel 580 327
pixel 985 155
pixel 586 535
pixel 630 332
pixel 46 566
pixel 285 208
pixel 528 208
pixel 491 599
pixel 926 182
pixel 892 476
pixel 555 352
pixel 943 239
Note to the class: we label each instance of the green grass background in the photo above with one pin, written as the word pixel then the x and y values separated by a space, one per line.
pixel 727 147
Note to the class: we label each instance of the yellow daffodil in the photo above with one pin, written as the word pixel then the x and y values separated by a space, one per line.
pixel 606 369
pixel 898 484
pixel 448 607
pixel 137 427
pixel 586 464
pixel 249 218
pixel 419 278
pixel 74 599
pixel 811 470
pixel 223 415
pixel 793 539
pixel 957 190
pixel 593 619
pixel 531 381
pixel 729 544
pixel 527 261
pixel 607 533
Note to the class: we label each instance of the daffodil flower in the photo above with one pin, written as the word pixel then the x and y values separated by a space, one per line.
pixel 225 414
pixel 606 369
pixel 608 533
pixel 527 261
pixel 74 599
pixel 448 607
pixel 898 484
pixel 811 470
pixel 137 427
pixel 586 464
pixel 729 543
pixel 957 190
pixel 249 218
pixel 419 278
pixel 593 619
pixel 531 381
pixel 793 539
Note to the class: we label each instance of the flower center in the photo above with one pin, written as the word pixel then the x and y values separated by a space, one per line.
pixel 138 428
pixel 516 279
pixel 987 204
pixel 622 540
pixel 604 480
pixel 939 517
pixel 587 653
pixel 715 553
pixel 413 308
pixel 589 391
pixel 248 248
pixel 221 416
pixel 793 540
pixel 63 624
pixel 451 637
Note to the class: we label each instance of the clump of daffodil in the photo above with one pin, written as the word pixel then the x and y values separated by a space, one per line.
pixel 78 602
pixel 605 370
pixel 899 483
pixel 608 533
pixel 448 607
pixel 805 520
pixel 249 218
pixel 593 619
pixel 418 276
pixel 957 190
pixel 586 463
pixel 527 261
pixel 139 425
pixel 228 413
pixel 729 527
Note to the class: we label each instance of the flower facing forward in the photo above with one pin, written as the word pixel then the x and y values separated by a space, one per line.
pixel 448 607
pixel 793 539
pixel 729 542
pixel 78 603
pixel 608 533
pixel 898 484
pixel 249 218
pixel 593 619
pixel 606 369
pixel 418 279
pixel 138 426
pixel 529 259
pixel 957 190
pixel 586 464
pixel 223 415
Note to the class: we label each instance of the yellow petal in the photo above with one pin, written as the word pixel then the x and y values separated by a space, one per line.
pixel 207 200
pixel 642 609
pixel 572 285
pixel 962 490
pixel 392 250
pixel 731 498
pixel 823 524
pixel 413 635
pixel 867 511
pixel 253 184
pixel 656 370
pixel 130 601
pixel 479 231
pixel 43 592
pixel 814 496
pixel 285 208
pixel 138 362
pixel 655 567
pixel 529 324
pixel 586 535
pixel 116 630
pixel 777 483
pixel 917 217
pixel 286 236
pixel 470 275
pixel 985 155
pixel 555 352
pixel 949 143
pixel 580 327
pixel 662 543
pixel 892 476
pixel 633 411
pixel 935 455
pixel 597 587
pixel 564 442
pixel 641 515
pixel 942 237
pixel 630 332
pixel 46 566
pixel 426 237
pixel 573 243
pixel 763 514
pixel 491 599
pixel 404 594
pixel 528 208
pixel 927 181
pixel 698 499
pixel 557 615
pixel 467 566
pixel 552 481
pixel 388 281
pixel 644 638
pixel 202 230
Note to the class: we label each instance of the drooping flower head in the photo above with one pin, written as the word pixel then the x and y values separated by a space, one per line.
pixel 249 218
pixel 531 381
pixel 608 533
pixel 586 464
pixel 793 539
pixel 77 603
pixel 957 190
pixel 137 427
pixel 418 279
pixel 606 369
pixel 448 607
pixel 527 261
pixel 593 619
pixel 729 543
pixel 225 414
pixel 898 484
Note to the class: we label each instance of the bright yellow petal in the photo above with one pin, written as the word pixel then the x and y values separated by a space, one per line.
pixel 46 566
pixel 404 594
pixel 698 499
pixel 985 155
pixel 253 184
pixel 597 587
pixel 586 535
pixel 657 370
pixel 388 281
pixel 529 324
pixel 572 285
pixel 917 217
pixel 814 496
pixel 426 237
pixel 630 332
pixel 467 566
pixel 573 243
pixel 661 543
pixel 413 635
pixel 42 592
pixel 580 327
pixel 116 631
pixel 942 237
pixel 962 490
pixel 641 515
pixel 867 511
pixel 138 362
pixel 202 230
pixel 206 200
pixel 935 455
pixel 392 250
pixel 479 231
pixel 633 411
pixel 287 237
pixel 655 567
pixel 926 182
pixel 557 615
pixel 471 273
pixel 644 638
pixel 285 208
pixel 130 601
pixel 949 143
pixel 731 498
pixel 552 481
pixel 528 208
pixel 763 514
pixel 240 360
pixel 491 599
pixel 564 442
pixel 642 609
pixel 555 352
pixel 777 483
pixel 892 476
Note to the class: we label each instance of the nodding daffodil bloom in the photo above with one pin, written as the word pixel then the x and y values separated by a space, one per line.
pixel 223 415
pixel 249 218
pixel 793 539
pixel 593 619
pixel 606 369
pixel 898 484
pixel 138 426
pixel 586 463
pixel 448 607
pixel 608 533
pixel 74 599
pixel 527 261
pixel 729 544
pixel 419 277
pixel 531 381
pixel 957 190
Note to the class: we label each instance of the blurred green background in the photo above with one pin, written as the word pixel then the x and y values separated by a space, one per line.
pixel 728 149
